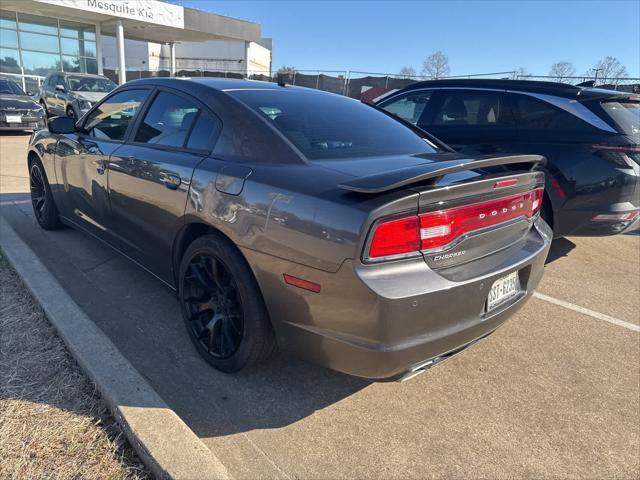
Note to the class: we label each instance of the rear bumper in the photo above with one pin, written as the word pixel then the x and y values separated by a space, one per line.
pixel 384 321
pixel 15 127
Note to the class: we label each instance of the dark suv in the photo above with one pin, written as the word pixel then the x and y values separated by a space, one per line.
pixel 72 94
pixel 589 136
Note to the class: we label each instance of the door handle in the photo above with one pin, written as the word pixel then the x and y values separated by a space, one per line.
pixel 171 181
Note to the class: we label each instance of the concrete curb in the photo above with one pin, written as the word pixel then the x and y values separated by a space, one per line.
pixel 162 440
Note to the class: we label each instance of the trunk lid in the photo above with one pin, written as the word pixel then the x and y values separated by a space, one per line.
pixel 450 185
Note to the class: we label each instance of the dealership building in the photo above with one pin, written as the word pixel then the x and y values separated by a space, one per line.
pixel 124 39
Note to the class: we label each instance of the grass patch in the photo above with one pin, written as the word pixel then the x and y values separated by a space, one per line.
pixel 53 423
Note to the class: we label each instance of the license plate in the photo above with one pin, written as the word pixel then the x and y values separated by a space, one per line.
pixel 502 290
pixel 14 119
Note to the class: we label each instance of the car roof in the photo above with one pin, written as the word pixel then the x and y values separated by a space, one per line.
pixel 222 84
pixel 533 86
pixel 75 74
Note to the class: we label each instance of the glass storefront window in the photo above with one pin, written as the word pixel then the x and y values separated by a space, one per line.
pixel 77 30
pixel 89 49
pixel 92 65
pixel 47 44
pixel 8 38
pixel 36 41
pixel 37 63
pixel 7 19
pixel 71 46
pixel 33 23
pixel 9 60
pixel 72 64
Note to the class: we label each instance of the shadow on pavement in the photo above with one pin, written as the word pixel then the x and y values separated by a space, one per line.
pixel 142 318
pixel 559 248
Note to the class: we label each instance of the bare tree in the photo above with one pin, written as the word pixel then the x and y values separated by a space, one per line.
pixel 436 66
pixel 285 70
pixel 407 72
pixel 560 71
pixel 520 72
pixel 609 69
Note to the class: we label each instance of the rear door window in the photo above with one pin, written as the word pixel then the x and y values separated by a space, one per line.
pixel 534 114
pixel 470 108
pixel 205 132
pixel 168 121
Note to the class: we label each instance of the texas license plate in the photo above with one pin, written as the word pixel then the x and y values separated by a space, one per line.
pixel 502 290
pixel 14 119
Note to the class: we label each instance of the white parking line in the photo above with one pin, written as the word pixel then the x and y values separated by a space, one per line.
pixel 14 202
pixel 586 311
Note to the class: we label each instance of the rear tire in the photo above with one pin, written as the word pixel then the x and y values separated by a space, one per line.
pixel 222 305
pixel 42 201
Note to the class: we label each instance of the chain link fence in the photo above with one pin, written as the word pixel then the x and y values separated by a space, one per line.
pixel 368 85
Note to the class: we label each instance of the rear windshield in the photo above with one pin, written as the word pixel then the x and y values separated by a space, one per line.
pixel 625 114
pixel 325 126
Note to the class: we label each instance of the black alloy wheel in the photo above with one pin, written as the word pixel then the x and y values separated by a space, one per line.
pixel 38 191
pixel 44 207
pixel 213 305
pixel 222 305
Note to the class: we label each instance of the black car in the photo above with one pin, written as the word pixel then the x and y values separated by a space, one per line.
pixel 18 111
pixel 589 136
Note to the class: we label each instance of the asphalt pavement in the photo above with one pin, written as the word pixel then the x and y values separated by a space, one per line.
pixel 554 393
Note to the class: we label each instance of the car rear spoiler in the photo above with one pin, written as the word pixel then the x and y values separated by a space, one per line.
pixel 383 182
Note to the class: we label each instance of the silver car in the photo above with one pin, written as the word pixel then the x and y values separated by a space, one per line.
pixel 290 217
pixel 72 94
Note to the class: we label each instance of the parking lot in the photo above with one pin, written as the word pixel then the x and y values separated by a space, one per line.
pixel 554 393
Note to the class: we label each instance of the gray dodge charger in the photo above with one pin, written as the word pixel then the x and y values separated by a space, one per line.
pixel 289 217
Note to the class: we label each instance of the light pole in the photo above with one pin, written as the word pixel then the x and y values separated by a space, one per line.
pixel 595 80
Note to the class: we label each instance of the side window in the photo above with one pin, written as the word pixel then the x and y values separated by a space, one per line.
pixel 534 114
pixel 205 132
pixel 168 121
pixel 479 108
pixel 409 107
pixel 112 117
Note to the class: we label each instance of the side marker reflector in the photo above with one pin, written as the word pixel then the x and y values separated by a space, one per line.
pixel 301 283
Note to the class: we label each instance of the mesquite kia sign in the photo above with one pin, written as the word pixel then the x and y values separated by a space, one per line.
pixel 150 11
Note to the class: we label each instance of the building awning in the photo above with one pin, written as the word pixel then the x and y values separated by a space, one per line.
pixel 146 20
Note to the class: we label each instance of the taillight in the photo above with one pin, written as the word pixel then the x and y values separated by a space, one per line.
pixel 427 231
pixel 395 237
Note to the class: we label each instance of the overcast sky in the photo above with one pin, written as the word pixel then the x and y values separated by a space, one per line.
pixel 478 36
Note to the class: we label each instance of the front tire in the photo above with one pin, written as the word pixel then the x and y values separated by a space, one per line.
pixel 44 206
pixel 222 305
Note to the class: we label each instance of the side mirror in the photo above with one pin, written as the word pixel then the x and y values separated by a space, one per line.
pixel 62 125
pixel 60 88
